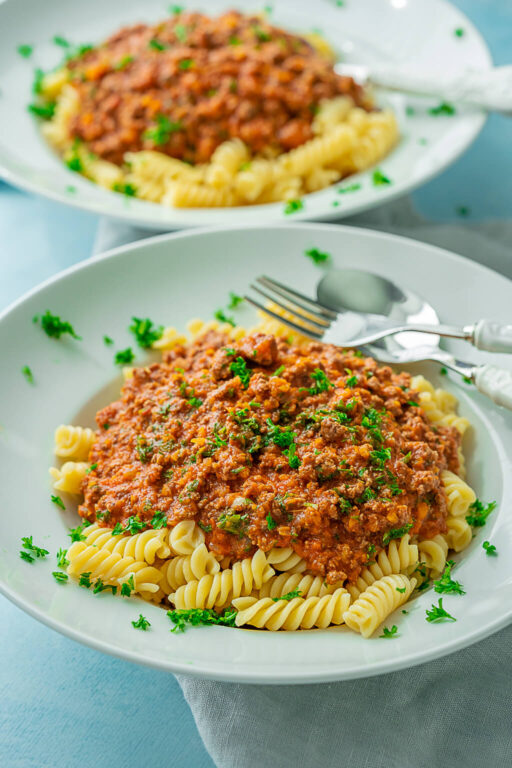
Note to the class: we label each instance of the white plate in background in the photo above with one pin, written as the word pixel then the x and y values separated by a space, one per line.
pixel 418 34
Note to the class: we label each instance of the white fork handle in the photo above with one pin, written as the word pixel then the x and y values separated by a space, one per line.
pixel 494 382
pixel 489 89
pixel 492 337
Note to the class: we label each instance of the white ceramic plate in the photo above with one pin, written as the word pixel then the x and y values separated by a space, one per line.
pixel 173 278
pixel 420 34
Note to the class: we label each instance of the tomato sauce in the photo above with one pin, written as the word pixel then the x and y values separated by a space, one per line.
pixel 184 86
pixel 270 445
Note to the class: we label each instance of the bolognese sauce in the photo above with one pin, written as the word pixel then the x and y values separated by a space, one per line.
pixel 188 84
pixel 266 444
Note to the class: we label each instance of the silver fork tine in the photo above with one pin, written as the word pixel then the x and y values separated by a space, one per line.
pixel 304 301
pixel 295 326
pixel 318 323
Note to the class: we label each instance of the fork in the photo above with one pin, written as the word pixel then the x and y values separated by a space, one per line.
pixel 308 317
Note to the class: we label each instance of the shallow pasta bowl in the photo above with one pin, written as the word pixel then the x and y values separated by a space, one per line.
pixel 172 278
pixel 418 35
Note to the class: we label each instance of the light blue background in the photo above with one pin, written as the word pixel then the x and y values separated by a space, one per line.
pixel 63 705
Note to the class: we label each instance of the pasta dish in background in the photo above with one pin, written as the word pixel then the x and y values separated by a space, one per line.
pixel 207 112
pixel 273 482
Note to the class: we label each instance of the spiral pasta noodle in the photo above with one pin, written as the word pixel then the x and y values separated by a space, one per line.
pixel 459 533
pixel 185 537
pixel 180 570
pixel 219 589
pixel 111 567
pixel 433 552
pixel 400 557
pixel 73 442
pixel 460 495
pixel 285 559
pixel 147 545
pixel 305 584
pixel 69 477
pixel 298 613
pixel 377 602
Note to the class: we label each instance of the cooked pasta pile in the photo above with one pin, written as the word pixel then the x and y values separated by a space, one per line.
pixel 199 112
pixel 270 569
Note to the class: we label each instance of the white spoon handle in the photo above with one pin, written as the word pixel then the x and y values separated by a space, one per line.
pixel 489 89
pixel 492 337
pixel 494 382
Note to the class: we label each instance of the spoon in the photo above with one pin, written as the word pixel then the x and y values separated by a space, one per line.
pixel 359 291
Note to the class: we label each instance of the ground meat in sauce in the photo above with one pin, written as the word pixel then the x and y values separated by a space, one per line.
pixel 208 79
pixel 266 444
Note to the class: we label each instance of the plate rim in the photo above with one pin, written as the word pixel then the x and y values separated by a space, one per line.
pixel 224 672
pixel 271 212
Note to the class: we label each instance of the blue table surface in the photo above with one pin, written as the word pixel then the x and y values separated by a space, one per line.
pixel 63 705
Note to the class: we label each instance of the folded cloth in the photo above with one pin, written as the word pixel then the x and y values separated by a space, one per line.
pixel 454 712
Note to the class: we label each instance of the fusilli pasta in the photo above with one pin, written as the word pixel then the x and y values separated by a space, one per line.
pixel 377 602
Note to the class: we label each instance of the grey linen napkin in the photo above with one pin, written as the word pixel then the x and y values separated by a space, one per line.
pixel 451 713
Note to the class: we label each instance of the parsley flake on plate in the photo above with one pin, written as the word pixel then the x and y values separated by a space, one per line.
pixel 490 549
pixel 442 109
pixel 446 585
pixel 379 179
pixel 292 206
pixel 234 300
pixel 145 331
pixel 28 543
pixel 393 632
pixel 141 623
pixel 197 616
pixel 58 501
pixel 44 111
pixel 26 371
pixel 317 256
pixel 60 577
pixel 25 51
pixel 76 534
pixel 124 356
pixel 478 514
pixel 85 580
pixel 54 327
pixel 221 316
pixel 61 41
pixel 62 560
pixel 437 613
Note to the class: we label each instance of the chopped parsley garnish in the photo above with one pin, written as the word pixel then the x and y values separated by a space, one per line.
pixel 85 579
pixel 117 530
pixel 280 437
pixel 221 316
pixel 127 587
pixel 76 534
pixel 134 525
pixel 54 327
pixel 292 206
pixel 316 256
pixel 413 403
pixel 99 586
pixel 478 514
pixel 279 370
pixel 122 64
pixel 462 210
pixel 108 341
pixel 27 543
pixel 176 9
pixel 156 45
pixel 206 528
pixel 28 374
pixel 144 449
pixel 293 459
pixel 379 179
pixel 443 371
pixel 197 616
pixel 233 522
pixel 161 133
pixel 141 623
pixel 351 382
pixel 386 632
pixel 186 63
pixel 402 590
pixel 25 556
pixel 44 111
pixel 438 613
pixel 288 596
pixel 459 32
pixel 181 32
pixel 145 332
pixel 60 577
pixel 271 523
pixel 62 560
pixel 395 533
pixel 490 549
pixel 379 457
pixel 159 520
pixel 442 109
pixel 25 50
pixel 61 41
pixel 239 368
pixel 124 356
pixel 234 300
pixel 37 85
pixel 446 585
pixel 58 501
pixel 349 188
pixel 125 189
pixel 195 402
pixel 322 383
pixel 234 40
pixel 91 469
